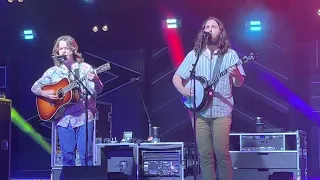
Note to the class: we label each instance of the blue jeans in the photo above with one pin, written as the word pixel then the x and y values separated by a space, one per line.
pixel 70 138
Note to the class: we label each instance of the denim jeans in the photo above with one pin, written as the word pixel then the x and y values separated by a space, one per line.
pixel 70 138
pixel 213 145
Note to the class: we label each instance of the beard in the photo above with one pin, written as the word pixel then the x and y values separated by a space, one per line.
pixel 214 40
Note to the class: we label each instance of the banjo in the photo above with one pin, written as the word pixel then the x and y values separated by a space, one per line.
pixel 204 89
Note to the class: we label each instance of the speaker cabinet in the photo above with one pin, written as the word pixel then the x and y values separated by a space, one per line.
pixel 121 159
pixel 5 130
pixel 103 123
pixel 258 155
pixel 80 173
pixel 259 165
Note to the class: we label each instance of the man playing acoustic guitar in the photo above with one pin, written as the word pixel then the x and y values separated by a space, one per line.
pixel 213 123
pixel 71 125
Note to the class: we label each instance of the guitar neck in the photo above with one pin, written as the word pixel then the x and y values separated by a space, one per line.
pixel 98 70
pixel 218 76
pixel 69 87
pixel 72 85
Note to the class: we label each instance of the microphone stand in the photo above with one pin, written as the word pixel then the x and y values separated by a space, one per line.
pixel 144 105
pixel 146 111
pixel 193 110
pixel 87 92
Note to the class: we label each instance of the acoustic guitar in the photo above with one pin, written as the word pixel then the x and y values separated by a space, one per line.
pixel 47 108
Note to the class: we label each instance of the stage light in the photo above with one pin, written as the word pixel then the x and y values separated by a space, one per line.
pixel 172 26
pixel 95 29
pixel 20 1
pixel 318 12
pixel 105 28
pixel 28 34
pixel 255 26
pixel 28 37
pixel 255 23
pixel 172 23
pixel 10 1
pixel 89 1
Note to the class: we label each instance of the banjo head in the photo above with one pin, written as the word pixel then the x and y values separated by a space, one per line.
pixel 200 85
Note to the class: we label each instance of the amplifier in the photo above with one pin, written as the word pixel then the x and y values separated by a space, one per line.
pixel 256 142
pixel 188 157
pixel 142 161
pixel 120 159
pixel 262 154
pixel 5 138
pixel 264 174
pixel 103 123
pixel 161 163
pixel 160 160
pixel 80 173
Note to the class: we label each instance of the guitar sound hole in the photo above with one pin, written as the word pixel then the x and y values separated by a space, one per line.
pixel 60 94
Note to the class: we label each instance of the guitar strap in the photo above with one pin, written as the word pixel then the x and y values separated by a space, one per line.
pixel 217 67
pixel 76 72
pixel 77 90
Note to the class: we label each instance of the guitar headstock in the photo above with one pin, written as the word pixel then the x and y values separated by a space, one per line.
pixel 250 57
pixel 102 68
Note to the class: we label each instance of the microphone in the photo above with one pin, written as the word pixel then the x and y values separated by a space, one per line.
pixel 135 79
pixel 207 35
pixel 60 58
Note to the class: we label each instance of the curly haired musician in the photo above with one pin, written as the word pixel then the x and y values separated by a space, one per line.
pixel 71 124
pixel 213 124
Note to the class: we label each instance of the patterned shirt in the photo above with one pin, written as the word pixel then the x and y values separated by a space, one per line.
pixel 222 103
pixel 72 113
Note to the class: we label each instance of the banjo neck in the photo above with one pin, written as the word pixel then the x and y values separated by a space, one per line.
pixel 218 76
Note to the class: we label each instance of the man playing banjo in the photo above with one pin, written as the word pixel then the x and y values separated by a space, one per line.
pixel 213 123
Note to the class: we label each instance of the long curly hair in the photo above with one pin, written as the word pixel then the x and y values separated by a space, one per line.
pixel 72 44
pixel 223 44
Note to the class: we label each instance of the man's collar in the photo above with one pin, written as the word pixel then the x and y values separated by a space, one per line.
pixel 207 53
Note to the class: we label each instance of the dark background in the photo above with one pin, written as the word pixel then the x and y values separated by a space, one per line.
pixel 282 85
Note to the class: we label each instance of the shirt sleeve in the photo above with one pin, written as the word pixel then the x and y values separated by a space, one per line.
pixel 186 66
pixel 45 79
pixel 235 59
pixel 95 86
